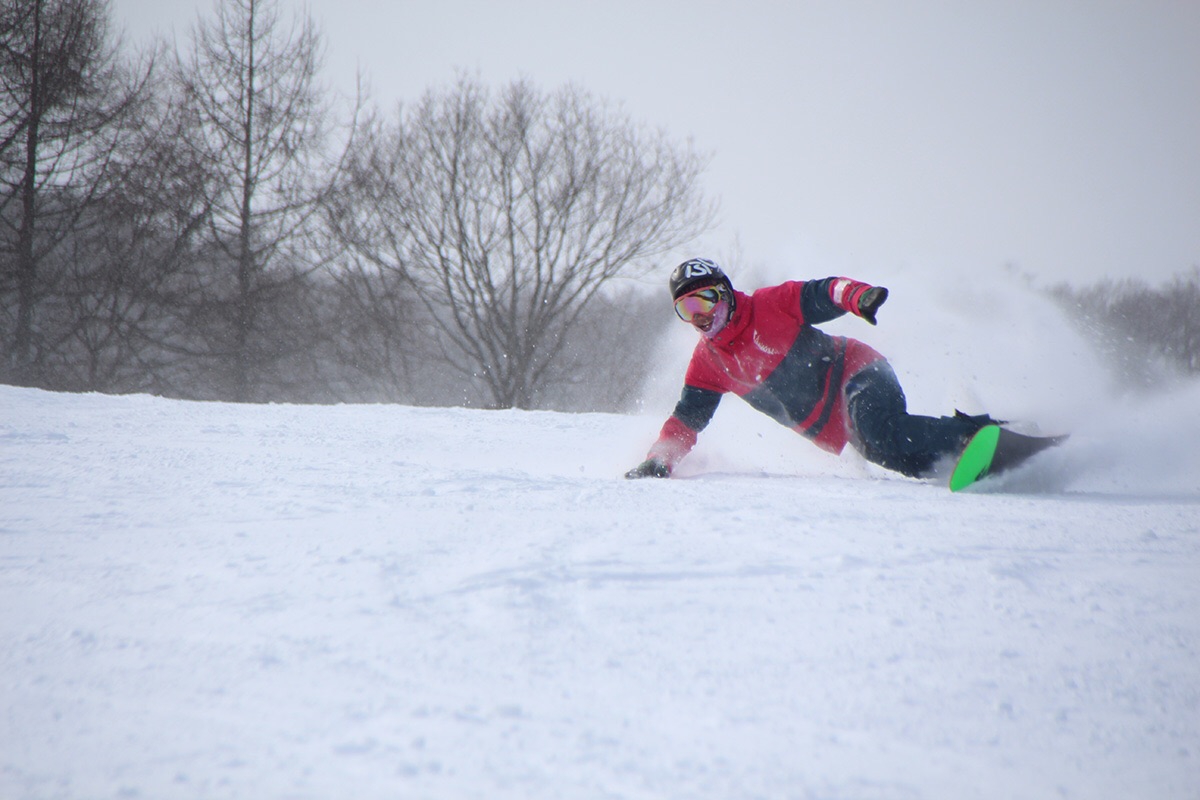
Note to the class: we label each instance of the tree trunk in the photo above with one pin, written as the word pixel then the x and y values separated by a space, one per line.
pixel 24 368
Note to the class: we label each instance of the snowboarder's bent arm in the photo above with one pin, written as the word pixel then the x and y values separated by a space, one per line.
pixel 830 298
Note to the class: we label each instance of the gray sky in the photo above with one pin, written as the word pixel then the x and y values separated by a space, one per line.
pixel 1058 136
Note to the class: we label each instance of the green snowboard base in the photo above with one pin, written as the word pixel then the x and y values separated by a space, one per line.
pixel 993 450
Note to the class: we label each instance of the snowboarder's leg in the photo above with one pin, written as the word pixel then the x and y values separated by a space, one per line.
pixel 886 434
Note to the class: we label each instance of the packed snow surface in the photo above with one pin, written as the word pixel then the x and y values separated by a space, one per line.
pixel 238 601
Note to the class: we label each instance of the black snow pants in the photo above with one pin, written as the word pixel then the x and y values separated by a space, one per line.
pixel 886 434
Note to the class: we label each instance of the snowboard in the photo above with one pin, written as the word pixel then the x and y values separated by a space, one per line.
pixel 993 450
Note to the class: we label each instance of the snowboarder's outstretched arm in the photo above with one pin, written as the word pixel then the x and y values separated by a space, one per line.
pixel 830 298
pixel 692 414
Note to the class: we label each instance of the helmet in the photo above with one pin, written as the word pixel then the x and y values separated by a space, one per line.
pixel 697 273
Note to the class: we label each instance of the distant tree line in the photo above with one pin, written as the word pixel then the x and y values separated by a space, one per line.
pixel 201 223
pixel 1145 333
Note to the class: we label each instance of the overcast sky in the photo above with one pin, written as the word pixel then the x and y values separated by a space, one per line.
pixel 1059 137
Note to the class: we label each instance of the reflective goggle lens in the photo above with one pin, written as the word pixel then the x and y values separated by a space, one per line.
pixel 701 302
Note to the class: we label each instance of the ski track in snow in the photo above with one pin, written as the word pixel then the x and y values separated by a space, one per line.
pixel 215 600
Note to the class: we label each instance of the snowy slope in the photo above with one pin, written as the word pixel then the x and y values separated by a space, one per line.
pixel 212 600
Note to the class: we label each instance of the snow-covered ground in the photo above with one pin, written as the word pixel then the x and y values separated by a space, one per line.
pixel 234 601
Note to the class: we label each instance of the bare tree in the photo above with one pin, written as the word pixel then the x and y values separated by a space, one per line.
pixel 1181 322
pixel 378 323
pixel 258 126
pixel 67 106
pixel 131 265
pixel 1140 329
pixel 507 215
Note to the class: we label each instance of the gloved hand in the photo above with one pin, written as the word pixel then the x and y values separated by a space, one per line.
pixel 870 301
pixel 650 468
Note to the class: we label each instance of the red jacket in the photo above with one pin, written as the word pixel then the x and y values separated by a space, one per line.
pixel 771 356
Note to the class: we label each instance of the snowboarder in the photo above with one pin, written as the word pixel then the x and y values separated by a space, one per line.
pixel 833 390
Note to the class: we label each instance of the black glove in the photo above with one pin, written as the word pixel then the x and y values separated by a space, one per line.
pixel 869 303
pixel 650 468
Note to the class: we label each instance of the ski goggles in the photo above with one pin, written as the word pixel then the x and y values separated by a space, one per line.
pixel 699 303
